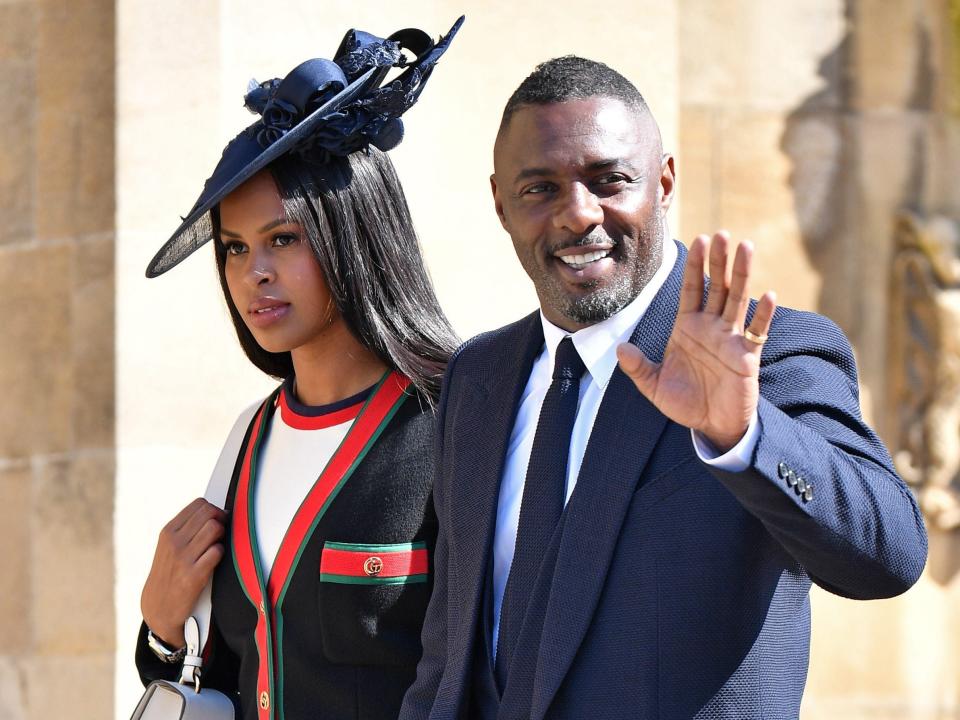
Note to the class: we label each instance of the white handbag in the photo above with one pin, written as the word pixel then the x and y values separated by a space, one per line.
pixel 185 699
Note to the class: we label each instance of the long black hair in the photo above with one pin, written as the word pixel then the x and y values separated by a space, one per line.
pixel 355 216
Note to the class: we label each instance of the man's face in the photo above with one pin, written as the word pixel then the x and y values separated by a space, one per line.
pixel 581 186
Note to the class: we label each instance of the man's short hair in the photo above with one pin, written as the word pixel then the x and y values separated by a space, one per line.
pixel 572 78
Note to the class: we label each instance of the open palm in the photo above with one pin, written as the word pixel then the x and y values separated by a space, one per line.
pixel 709 377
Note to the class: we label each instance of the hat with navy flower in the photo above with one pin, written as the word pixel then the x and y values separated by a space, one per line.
pixel 321 109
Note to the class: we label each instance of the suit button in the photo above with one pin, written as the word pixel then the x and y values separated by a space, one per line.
pixel 808 493
pixel 801 486
pixel 782 470
pixel 791 478
pixel 264 700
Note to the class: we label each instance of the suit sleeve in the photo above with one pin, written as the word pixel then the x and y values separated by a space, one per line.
pixel 858 531
pixel 420 697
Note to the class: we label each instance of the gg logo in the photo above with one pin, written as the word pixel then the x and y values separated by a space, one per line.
pixel 373 566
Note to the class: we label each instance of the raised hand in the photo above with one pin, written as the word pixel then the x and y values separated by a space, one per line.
pixel 187 552
pixel 709 377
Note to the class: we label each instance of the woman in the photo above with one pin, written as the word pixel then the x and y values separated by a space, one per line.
pixel 328 529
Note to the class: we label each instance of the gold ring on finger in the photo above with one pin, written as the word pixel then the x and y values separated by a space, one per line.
pixel 748 334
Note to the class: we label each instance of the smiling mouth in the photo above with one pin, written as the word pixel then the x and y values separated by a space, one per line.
pixel 578 262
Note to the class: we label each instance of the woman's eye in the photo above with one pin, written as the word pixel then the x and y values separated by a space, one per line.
pixel 235 248
pixel 284 239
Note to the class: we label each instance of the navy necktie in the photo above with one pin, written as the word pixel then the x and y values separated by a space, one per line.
pixel 544 492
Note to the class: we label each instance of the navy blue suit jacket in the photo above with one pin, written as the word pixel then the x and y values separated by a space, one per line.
pixel 679 591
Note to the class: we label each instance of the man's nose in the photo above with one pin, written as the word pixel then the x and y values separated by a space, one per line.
pixel 579 211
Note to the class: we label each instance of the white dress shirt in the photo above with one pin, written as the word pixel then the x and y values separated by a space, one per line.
pixel 596 346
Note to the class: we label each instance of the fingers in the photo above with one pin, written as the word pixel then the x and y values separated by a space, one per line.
pixel 719 281
pixel 181 518
pixel 206 536
pixel 763 315
pixel 207 562
pixel 691 294
pixel 203 512
pixel 738 296
pixel 638 368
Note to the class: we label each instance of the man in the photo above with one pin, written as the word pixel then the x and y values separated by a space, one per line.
pixel 698 486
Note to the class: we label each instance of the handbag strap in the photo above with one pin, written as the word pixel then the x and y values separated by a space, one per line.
pixel 196 629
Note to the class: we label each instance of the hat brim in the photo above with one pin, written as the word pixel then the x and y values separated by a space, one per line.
pixel 175 250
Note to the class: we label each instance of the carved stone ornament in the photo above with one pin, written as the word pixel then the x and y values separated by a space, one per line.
pixel 924 377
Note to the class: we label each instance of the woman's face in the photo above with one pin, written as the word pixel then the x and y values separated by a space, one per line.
pixel 273 276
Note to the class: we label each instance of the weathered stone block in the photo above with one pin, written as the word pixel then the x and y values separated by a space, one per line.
pixel 75 118
pixel 72 530
pixel 17 138
pixel 17 31
pixel 15 569
pixel 893 56
pixel 757 202
pixel 739 54
pixel 35 359
pixel 697 182
pixel 13 689
pixel 80 687
pixel 92 331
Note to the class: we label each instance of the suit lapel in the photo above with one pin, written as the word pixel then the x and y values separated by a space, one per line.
pixel 486 411
pixel 623 437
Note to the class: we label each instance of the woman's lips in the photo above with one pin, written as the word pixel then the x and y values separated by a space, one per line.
pixel 265 312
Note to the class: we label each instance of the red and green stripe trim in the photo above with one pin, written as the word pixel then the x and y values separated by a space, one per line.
pixel 376 413
pixel 317 422
pixel 353 564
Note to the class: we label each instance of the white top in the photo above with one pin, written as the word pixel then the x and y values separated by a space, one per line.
pixel 596 346
pixel 299 446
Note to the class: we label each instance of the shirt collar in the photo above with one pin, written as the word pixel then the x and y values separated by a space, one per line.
pixel 597 344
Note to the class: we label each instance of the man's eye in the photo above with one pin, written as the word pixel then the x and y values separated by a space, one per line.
pixel 611 179
pixel 284 239
pixel 235 248
pixel 537 189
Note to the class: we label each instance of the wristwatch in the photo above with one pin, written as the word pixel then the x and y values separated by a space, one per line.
pixel 162 651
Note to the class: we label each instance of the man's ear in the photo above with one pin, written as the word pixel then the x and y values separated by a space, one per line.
pixel 498 202
pixel 668 182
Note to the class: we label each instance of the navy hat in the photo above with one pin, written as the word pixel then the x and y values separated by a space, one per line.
pixel 321 109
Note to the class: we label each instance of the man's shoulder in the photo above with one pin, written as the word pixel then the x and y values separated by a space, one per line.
pixel 791 328
pixel 494 344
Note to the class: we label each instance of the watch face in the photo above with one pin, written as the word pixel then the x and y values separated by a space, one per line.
pixel 161 650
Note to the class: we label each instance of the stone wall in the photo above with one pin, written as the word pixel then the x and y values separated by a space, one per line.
pixel 56 359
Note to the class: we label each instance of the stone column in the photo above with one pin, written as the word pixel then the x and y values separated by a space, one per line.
pixel 56 359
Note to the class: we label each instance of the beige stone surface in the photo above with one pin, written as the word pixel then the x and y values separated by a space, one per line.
pixel 74 128
pixel 13 687
pixel 766 56
pixel 697 167
pixel 72 549
pixel 17 113
pixel 755 201
pixel 893 47
pixel 35 359
pixel 17 31
pixel 70 687
pixel 15 567
pixel 92 340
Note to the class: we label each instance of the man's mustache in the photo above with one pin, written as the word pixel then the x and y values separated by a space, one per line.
pixel 592 238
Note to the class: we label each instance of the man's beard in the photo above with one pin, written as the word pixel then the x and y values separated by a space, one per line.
pixel 609 299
